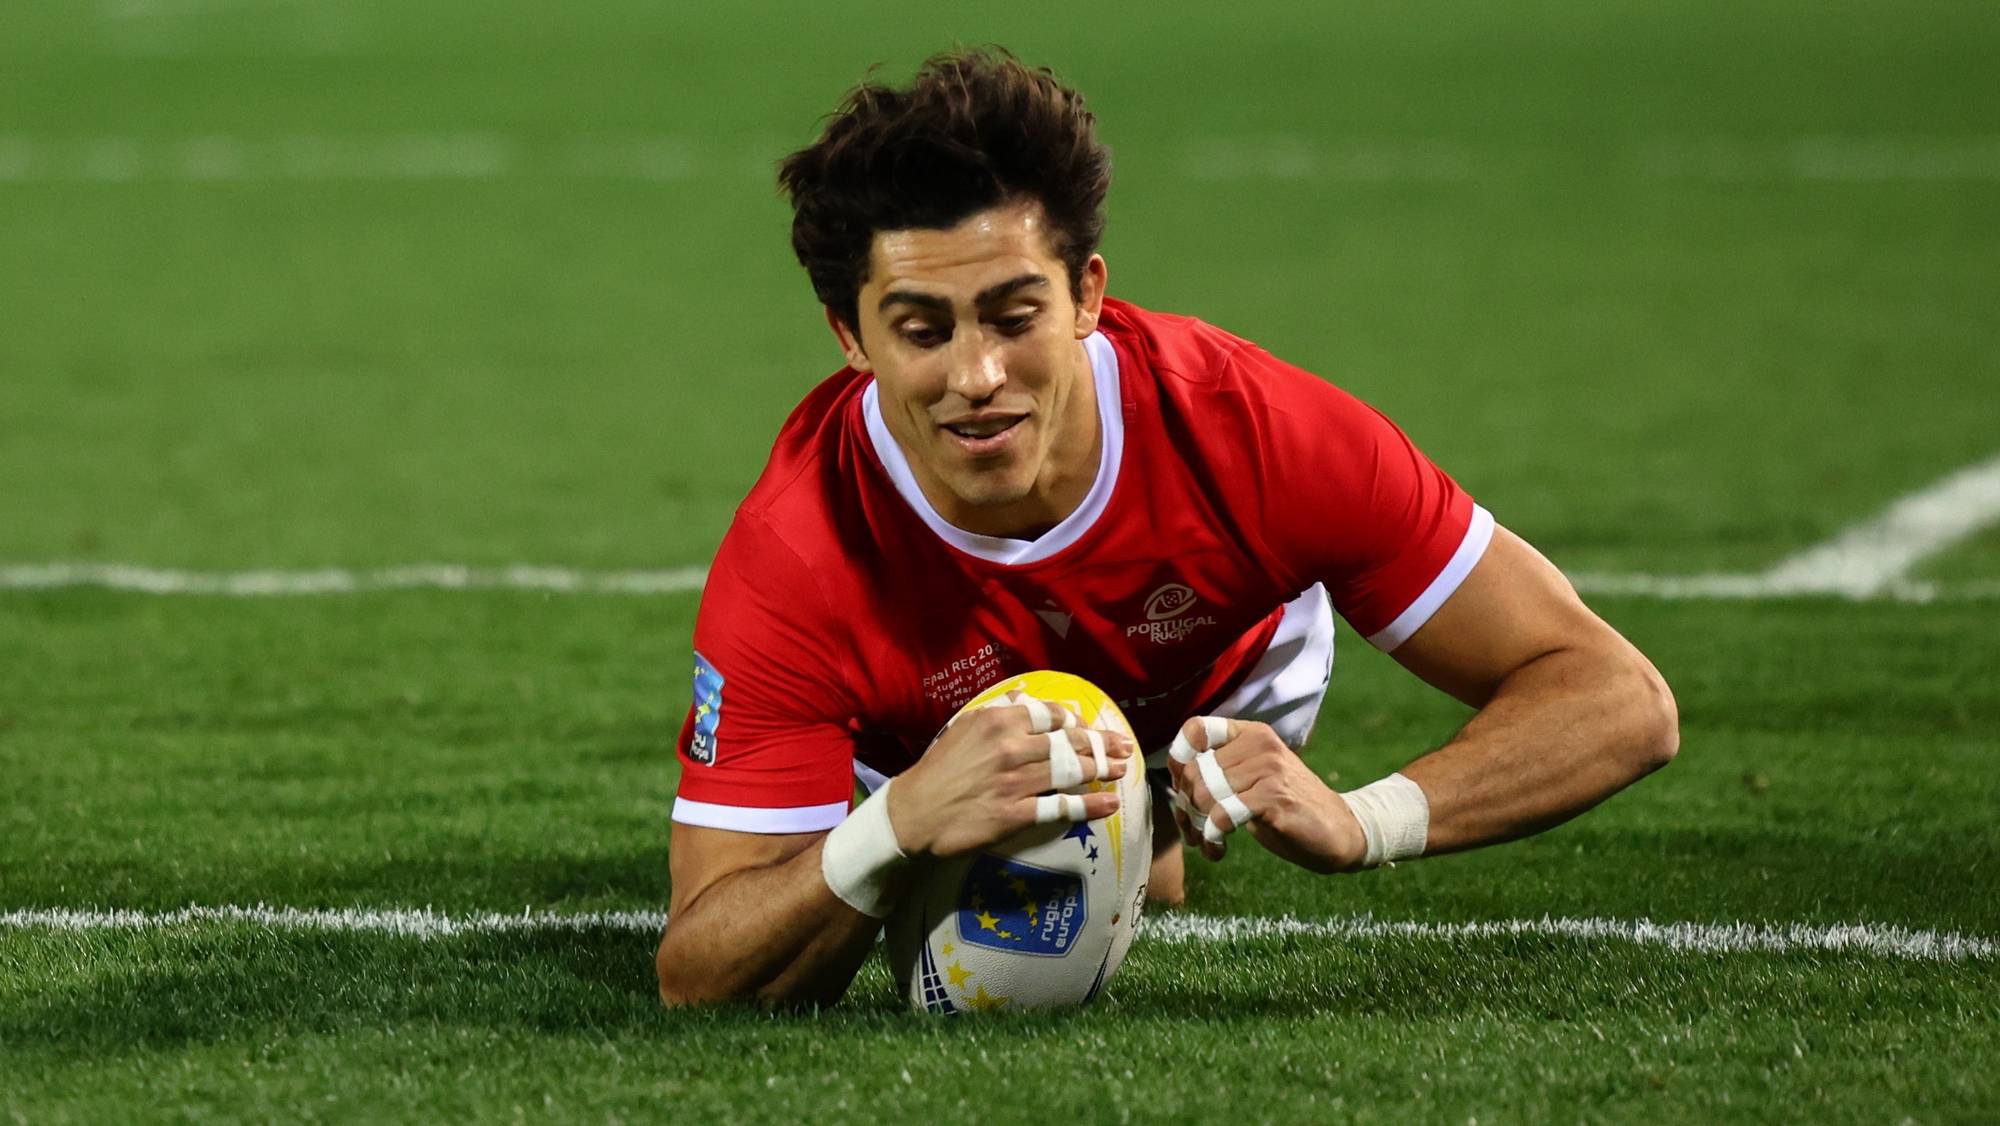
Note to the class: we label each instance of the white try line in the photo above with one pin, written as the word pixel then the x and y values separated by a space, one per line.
pixel 1867 939
pixel 1869 560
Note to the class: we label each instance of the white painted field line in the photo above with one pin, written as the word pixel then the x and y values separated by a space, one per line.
pixel 333 580
pixel 1868 560
pixel 417 922
pixel 1701 938
pixel 1705 938
pixel 1171 929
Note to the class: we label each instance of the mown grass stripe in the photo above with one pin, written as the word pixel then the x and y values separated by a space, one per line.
pixel 1871 939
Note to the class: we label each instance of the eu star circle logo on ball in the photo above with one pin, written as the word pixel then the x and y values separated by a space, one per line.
pixel 1043 918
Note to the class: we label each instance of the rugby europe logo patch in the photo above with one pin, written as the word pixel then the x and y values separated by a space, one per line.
pixel 707 711
pixel 1008 905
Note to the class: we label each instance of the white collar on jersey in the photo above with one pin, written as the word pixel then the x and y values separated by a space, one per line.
pixel 996 549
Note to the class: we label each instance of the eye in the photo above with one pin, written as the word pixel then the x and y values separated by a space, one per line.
pixel 925 336
pixel 1015 325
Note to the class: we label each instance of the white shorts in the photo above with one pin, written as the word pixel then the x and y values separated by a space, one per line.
pixel 1287 684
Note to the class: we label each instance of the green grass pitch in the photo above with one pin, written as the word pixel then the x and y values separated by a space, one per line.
pixel 1673 288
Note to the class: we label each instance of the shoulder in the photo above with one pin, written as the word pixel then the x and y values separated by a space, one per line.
pixel 799 520
pixel 1210 372
pixel 814 442
pixel 1181 348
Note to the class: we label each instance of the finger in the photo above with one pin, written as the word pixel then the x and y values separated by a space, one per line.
pixel 1215 779
pixel 1059 807
pixel 1214 730
pixel 1220 820
pixel 1097 759
pixel 1074 807
pixel 1079 755
pixel 1225 802
pixel 1227 810
pixel 1044 716
pixel 1181 822
pixel 1065 769
pixel 1225 818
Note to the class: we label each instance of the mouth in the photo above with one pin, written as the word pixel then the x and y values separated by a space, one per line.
pixel 984 435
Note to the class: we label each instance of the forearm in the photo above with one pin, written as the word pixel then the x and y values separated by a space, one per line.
pixel 775 934
pixel 1561 733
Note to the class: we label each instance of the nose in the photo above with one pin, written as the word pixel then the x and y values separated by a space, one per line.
pixel 976 370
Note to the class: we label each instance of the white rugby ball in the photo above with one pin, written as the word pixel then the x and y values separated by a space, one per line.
pixel 1043 918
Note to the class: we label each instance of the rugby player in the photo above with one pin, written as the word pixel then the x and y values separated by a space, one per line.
pixel 1015 471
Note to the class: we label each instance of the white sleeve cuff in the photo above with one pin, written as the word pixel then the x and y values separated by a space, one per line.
pixel 1471 549
pixel 753 819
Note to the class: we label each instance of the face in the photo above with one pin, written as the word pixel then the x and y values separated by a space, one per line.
pixel 974 340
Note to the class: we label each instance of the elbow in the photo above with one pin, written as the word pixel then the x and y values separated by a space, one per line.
pixel 677 991
pixel 684 984
pixel 687 983
pixel 1657 734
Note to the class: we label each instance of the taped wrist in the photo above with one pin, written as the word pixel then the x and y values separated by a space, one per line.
pixel 861 857
pixel 1395 819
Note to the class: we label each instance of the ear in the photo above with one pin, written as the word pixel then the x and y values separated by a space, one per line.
pixel 1090 296
pixel 850 343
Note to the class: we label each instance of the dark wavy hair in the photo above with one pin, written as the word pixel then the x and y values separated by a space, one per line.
pixel 975 128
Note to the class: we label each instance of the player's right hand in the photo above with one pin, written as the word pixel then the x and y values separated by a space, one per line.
pixel 989 775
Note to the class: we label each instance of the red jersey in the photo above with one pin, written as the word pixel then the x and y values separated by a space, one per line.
pixel 844 621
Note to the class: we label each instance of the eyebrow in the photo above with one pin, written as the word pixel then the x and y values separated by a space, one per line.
pixel 985 296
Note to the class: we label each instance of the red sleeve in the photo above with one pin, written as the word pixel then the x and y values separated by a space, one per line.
pixel 765 747
pixel 1349 501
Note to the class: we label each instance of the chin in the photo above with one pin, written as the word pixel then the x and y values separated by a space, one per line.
pixel 991 490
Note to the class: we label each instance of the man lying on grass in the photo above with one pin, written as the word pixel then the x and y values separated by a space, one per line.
pixel 1015 471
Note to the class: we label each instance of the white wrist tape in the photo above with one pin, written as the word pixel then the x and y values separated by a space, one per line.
pixel 861 856
pixel 1395 818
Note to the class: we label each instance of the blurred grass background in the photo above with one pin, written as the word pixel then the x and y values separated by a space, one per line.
pixel 1670 287
pixel 302 283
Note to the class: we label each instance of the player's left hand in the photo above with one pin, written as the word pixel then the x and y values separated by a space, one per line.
pixel 1287 807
